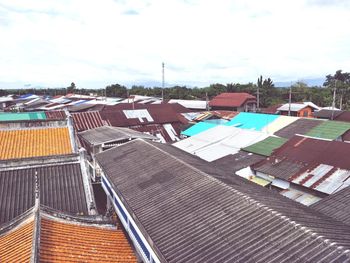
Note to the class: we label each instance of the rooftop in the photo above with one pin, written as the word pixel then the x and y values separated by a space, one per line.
pixel 83 121
pixel 329 130
pixel 22 116
pixel 266 147
pixel 230 99
pixel 34 142
pixel 188 216
pixel 300 126
pixel 256 121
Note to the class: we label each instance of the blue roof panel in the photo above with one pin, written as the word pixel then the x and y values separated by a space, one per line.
pixel 256 121
pixel 198 128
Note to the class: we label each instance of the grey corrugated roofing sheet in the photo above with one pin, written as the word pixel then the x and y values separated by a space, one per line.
pixel 61 187
pixel 327 114
pixel 106 134
pixel 336 205
pixel 301 126
pixel 191 217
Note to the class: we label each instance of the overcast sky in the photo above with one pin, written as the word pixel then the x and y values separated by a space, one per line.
pixel 94 43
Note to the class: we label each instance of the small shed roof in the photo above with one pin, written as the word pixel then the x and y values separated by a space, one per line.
pixel 293 107
pixel 256 121
pixel 266 147
pixel 106 134
pixel 329 130
pixel 87 120
pixel 327 113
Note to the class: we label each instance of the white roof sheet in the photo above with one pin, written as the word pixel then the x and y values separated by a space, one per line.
pixel 279 123
pixel 219 141
pixel 191 104
pixel 138 114
pixel 293 107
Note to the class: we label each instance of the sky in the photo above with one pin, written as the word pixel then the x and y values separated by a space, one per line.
pixel 51 43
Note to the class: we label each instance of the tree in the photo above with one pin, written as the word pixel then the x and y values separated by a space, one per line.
pixel 71 88
pixel 116 90
pixel 268 92
pixel 340 81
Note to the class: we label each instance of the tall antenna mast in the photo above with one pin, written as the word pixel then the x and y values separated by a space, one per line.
pixel 162 82
pixel 290 98
pixel 333 102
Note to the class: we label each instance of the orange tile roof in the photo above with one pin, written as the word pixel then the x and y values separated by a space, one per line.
pixel 16 245
pixel 34 143
pixel 70 242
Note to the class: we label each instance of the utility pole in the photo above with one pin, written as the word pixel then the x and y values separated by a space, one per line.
pixel 207 101
pixel 163 83
pixel 290 99
pixel 333 102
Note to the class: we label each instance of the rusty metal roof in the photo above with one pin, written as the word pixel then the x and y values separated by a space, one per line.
pixel 83 121
pixel 231 99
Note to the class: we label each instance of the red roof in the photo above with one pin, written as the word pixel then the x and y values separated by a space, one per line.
pixel 231 99
pixel 56 114
pixel 87 120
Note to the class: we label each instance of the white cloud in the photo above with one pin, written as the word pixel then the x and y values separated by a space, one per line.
pixel 55 42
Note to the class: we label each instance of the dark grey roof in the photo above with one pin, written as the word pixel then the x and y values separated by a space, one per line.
pixel 106 134
pixel 192 217
pixel 301 126
pixel 327 114
pixel 61 187
pixel 336 205
pixel 282 169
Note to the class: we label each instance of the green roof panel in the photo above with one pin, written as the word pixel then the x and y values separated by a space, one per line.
pixel 266 147
pixel 329 130
pixel 22 116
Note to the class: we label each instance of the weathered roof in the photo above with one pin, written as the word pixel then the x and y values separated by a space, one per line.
pixel 188 216
pixel 45 235
pixel 327 114
pixel 107 134
pixel 168 132
pixel 248 120
pixel 230 99
pixel 16 243
pixel 329 130
pixel 56 115
pixel 219 141
pixel 278 124
pixel 344 116
pixel 198 128
pixel 302 153
pixel 266 147
pixel 191 104
pixel 34 142
pixel 87 120
pixel 300 126
pixel 61 187
pixel 336 205
pixel 22 116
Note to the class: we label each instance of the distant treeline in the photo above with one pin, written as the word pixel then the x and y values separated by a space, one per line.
pixel 269 94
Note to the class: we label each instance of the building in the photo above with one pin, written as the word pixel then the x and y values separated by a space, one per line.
pixel 176 212
pixel 297 109
pixel 233 102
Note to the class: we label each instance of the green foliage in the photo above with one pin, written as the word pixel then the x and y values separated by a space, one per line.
pixel 71 88
pixel 116 90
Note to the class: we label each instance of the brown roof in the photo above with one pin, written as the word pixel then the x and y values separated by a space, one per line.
pixel 230 99
pixel 16 244
pixel 344 116
pixel 87 120
pixel 34 142
pixel 56 115
pixel 300 126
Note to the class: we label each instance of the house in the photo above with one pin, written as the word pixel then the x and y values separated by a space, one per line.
pixel 233 102
pixel 297 109
pixel 176 212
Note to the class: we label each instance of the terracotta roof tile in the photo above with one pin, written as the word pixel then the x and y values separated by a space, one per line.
pixel 34 142
pixel 88 244
pixel 16 245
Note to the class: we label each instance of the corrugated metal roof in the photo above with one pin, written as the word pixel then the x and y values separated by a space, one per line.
pixel 22 116
pixel 61 187
pixel 198 128
pixel 34 142
pixel 278 124
pixel 188 216
pixel 256 121
pixel 106 134
pixel 219 141
pixel 300 126
pixel 266 147
pixel 327 114
pixel 329 130
pixel 191 104
pixel 56 115
pixel 336 205
pixel 344 116
pixel 87 120
pixel 293 107
pixel 231 99
pixel 300 197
